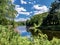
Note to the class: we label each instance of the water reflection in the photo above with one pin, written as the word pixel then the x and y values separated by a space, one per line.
pixel 23 31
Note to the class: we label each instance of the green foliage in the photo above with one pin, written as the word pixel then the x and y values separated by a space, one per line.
pixel 35 22
pixel 53 17
pixel 48 23
pixel 9 37
pixel 37 19
pixel 21 23
pixel 7 12
pixel 43 41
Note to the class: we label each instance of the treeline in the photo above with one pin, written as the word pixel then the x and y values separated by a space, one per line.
pixel 7 10
pixel 8 13
pixel 48 23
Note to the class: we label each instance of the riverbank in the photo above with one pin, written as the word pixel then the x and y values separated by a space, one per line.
pixel 9 37
pixel 22 31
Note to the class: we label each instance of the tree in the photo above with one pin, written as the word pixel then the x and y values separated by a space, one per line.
pixel 48 23
pixel 52 22
pixel 34 23
pixel 53 16
pixel 7 10
pixel 12 13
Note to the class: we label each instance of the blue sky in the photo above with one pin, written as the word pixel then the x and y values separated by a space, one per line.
pixel 28 8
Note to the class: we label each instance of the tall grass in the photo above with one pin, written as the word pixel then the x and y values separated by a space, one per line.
pixel 9 37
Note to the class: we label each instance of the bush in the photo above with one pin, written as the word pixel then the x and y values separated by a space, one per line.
pixel 9 37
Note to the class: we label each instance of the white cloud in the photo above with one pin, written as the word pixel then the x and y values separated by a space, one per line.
pixel 13 1
pixel 17 6
pixel 26 13
pixel 32 2
pixel 23 2
pixel 37 7
pixel 38 12
pixel 21 19
pixel 21 10
pixel 40 9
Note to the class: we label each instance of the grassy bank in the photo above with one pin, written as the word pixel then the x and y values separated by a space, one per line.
pixel 9 37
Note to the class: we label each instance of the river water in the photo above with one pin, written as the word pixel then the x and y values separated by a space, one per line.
pixel 23 31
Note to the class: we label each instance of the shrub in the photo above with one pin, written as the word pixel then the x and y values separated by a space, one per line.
pixel 9 37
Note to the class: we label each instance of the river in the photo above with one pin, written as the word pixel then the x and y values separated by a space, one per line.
pixel 23 31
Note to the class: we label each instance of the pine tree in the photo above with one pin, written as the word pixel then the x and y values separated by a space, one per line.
pixel 54 14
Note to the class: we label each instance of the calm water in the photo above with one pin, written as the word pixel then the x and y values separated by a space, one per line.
pixel 23 31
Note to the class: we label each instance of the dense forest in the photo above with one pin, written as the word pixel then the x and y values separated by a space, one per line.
pixel 42 26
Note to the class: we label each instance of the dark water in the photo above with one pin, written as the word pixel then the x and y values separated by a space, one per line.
pixel 23 31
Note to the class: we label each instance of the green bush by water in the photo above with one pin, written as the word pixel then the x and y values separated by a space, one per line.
pixel 9 37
